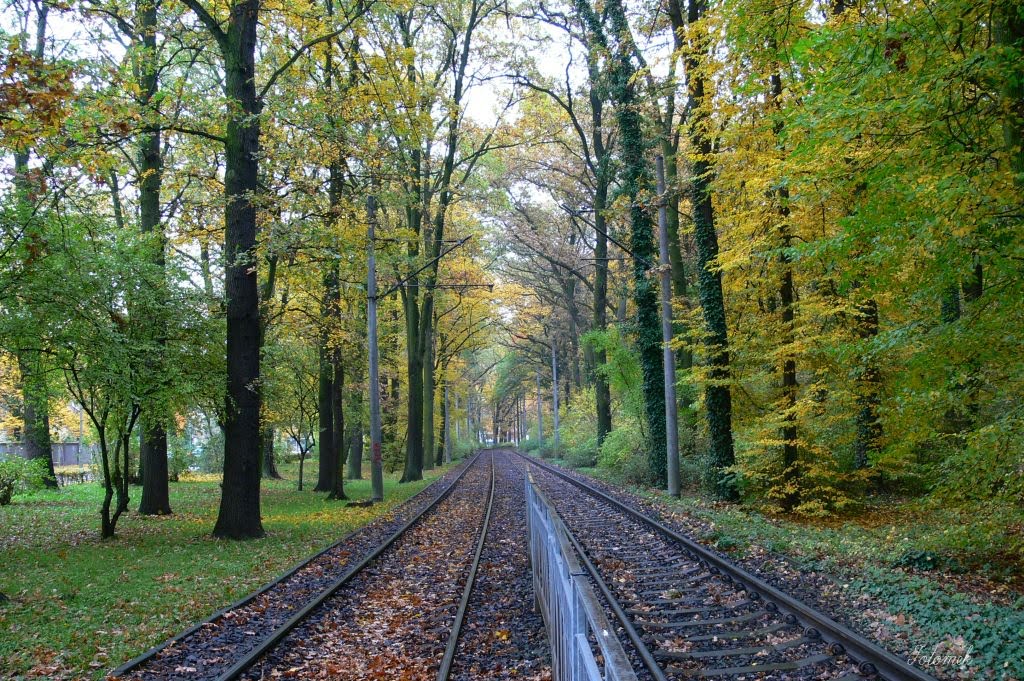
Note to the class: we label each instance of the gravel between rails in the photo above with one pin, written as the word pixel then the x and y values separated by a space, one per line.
pixel 392 620
pixel 502 637
pixel 213 647
pixel 686 614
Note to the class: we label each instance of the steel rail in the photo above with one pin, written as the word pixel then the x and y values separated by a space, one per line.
pixel 136 662
pixel 453 638
pixel 872 658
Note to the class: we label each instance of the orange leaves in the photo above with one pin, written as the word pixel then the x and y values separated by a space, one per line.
pixel 34 96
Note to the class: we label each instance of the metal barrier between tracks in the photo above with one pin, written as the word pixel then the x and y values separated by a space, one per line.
pixel 572 613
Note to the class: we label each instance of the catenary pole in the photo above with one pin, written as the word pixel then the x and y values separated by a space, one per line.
pixel 669 359
pixel 376 460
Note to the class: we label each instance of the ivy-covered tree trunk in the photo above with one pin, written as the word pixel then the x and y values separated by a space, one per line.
pixel 636 181
pixel 717 394
pixel 239 514
pixel 153 436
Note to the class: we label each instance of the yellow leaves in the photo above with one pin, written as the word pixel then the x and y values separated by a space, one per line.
pixel 406 56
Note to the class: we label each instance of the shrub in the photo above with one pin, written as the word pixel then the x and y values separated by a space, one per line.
pixel 623 453
pixel 462 447
pixel 20 475
pixel 578 430
pixel 179 456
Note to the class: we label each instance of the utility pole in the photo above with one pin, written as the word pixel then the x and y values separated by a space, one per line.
pixel 668 356
pixel 554 392
pixel 376 460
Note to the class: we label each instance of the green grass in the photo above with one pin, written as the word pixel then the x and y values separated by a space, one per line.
pixel 80 606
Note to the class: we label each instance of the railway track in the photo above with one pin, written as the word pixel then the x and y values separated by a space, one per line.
pixel 688 612
pixel 229 642
pixel 400 615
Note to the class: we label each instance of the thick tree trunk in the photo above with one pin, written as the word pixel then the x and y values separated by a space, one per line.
pixel 35 414
pixel 153 437
pixel 637 184
pixel 717 395
pixel 35 407
pixel 156 498
pixel 239 515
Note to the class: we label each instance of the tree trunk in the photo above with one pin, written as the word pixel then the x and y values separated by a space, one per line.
pixel 787 296
pixel 325 410
pixel 355 452
pixel 35 411
pixel 428 401
pixel 35 405
pixel 355 447
pixel 602 391
pixel 153 455
pixel 338 407
pixel 446 444
pixel 442 441
pixel 153 436
pixel 717 394
pixel 239 515
pixel 269 464
pixel 637 185
pixel 869 429
pixel 414 439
